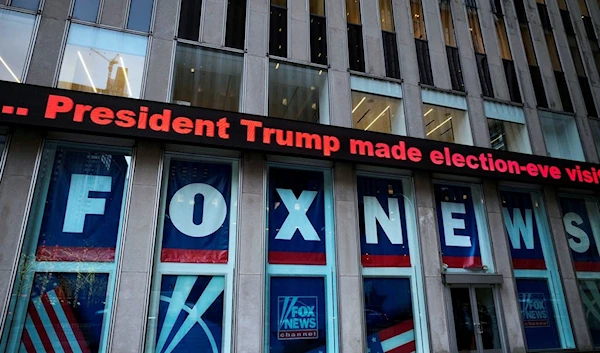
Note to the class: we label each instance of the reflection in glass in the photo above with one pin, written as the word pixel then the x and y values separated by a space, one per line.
pixel 488 320
pixel 416 10
pixel 207 78
pixel 372 112
pixel 446 124
pixel 103 61
pixel 140 14
pixel 32 5
pixel 298 93
pixel 562 137
pixel 464 324
pixel 86 10
pixel 16 30
pixel 447 24
pixel 508 136
pixel 538 314
pixel 475 30
pixel 590 296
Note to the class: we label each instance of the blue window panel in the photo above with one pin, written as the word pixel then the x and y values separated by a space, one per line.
pixel 584 245
pixel 32 5
pixel 82 210
pixel 296 217
pixel 590 295
pixel 140 15
pixel 389 315
pixel 65 310
pixel 382 220
pixel 190 314
pixel 297 317
pixel 537 314
pixel 457 226
pixel 86 10
pixel 522 227
pixel 196 224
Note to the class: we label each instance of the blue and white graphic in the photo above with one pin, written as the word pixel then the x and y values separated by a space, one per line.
pixel 296 217
pixel 196 224
pixel 190 316
pixel 457 226
pixel 83 206
pixel 297 316
pixel 583 241
pixel 382 219
pixel 537 313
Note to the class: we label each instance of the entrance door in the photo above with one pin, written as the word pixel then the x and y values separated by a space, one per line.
pixel 475 320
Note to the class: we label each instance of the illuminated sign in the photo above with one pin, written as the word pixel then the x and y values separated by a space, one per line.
pixel 86 112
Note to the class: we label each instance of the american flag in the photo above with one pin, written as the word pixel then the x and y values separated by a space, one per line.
pixel 50 326
pixel 399 338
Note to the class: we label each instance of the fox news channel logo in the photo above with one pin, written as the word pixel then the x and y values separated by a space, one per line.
pixel 534 311
pixel 298 318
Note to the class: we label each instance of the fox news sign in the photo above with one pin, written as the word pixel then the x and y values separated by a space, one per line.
pixel 297 317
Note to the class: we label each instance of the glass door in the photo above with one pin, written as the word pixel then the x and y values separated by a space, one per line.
pixel 475 320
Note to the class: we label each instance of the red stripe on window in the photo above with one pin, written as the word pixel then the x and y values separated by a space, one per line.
pixel 194 256
pixel 528 264
pixel 29 348
pixel 296 258
pixel 39 328
pixel 587 266
pixel 64 304
pixel 385 260
pixel 462 261
pixel 396 330
pixel 62 338
pixel 406 348
pixel 75 253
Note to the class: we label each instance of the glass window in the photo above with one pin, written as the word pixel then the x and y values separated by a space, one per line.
pixel 235 34
pixel 561 136
pixel 207 78
pixel 17 30
pixel 194 260
pixel 317 7
pixel 86 10
pixel 375 113
pixel 551 44
pixel 590 295
pixel 301 308
pixel 387 15
pixel 508 136
pixel 189 19
pixel 103 61
pixel 32 5
pixel 447 24
pixel 318 32
pixel 65 282
pixel 278 28
pixel 353 11
pixel 543 307
pixel 140 15
pixel 298 93
pixel 595 127
pixel 446 124
pixel 475 30
pixel 416 9
pixel 502 38
pixel 528 45
pixel 462 227
pixel 583 8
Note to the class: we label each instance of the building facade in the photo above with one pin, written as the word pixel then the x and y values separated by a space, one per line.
pixel 275 176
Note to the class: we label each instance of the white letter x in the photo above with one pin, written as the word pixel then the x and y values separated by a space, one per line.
pixel 297 218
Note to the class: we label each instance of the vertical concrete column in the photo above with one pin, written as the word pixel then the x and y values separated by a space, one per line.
pixel 411 91
pixel 534 128
pixel 114 13
pixel 161 52
pixel 137 252
pixel 48 43
pixel 15 187
pixel 212 24
pixel 249 315
pixel 299 27
pixel 435 299
pixel 503 265
pixel 437 46
pixel 567 272
pixel 337 54
pixel 372 38
pixel 492 51
pixel 254 83
pixel 543 58
pixel 477 119
pixel 350 307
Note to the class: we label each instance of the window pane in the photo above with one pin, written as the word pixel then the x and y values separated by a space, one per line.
pixel 580 218
pixel 140 14
pixel 103 61
pixel 278 31
pixel 538 314
pixel 387 15
pixel 86 10
pixel 297 317
pixel 447 24
pixel 281 3
pixel 502 39
pixel 298 93
pixel 32 5
pixel 16 29
pixel 508 136
pixel 353 11
pixel 179 295
pixel 207 78
pixel 590 295
pixel 561 136
pixel 583 8
pixel 189 19
pixel 446 124
pixel 595 127
pixel 236 24
pixel 528 44
pixel 416 9
pixel 475 30
pixel 75 225
pixel 554 58
pixel 317 7
pixel 388 314
pixel 375 113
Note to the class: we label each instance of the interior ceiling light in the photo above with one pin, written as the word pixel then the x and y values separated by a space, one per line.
pixel 440 125
pixel 87 72
pixel 359 103
pixel 377 118
pixel 126 77
pixel 429 111
pixel 9 70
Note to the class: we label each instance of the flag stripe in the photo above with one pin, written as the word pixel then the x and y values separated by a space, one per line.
pixel 48 326
pixel 395 330
pixel 529 264
pixel 26 340
pixel 462 261
pixel 39 327
pixel 194 256
pixel 33 335
pixel 296 258
pixel 75 253
pixel 398 341
pixel 60 333
pixel 385 260
pixel 410 347
pixel 66 310
pixel 587 266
